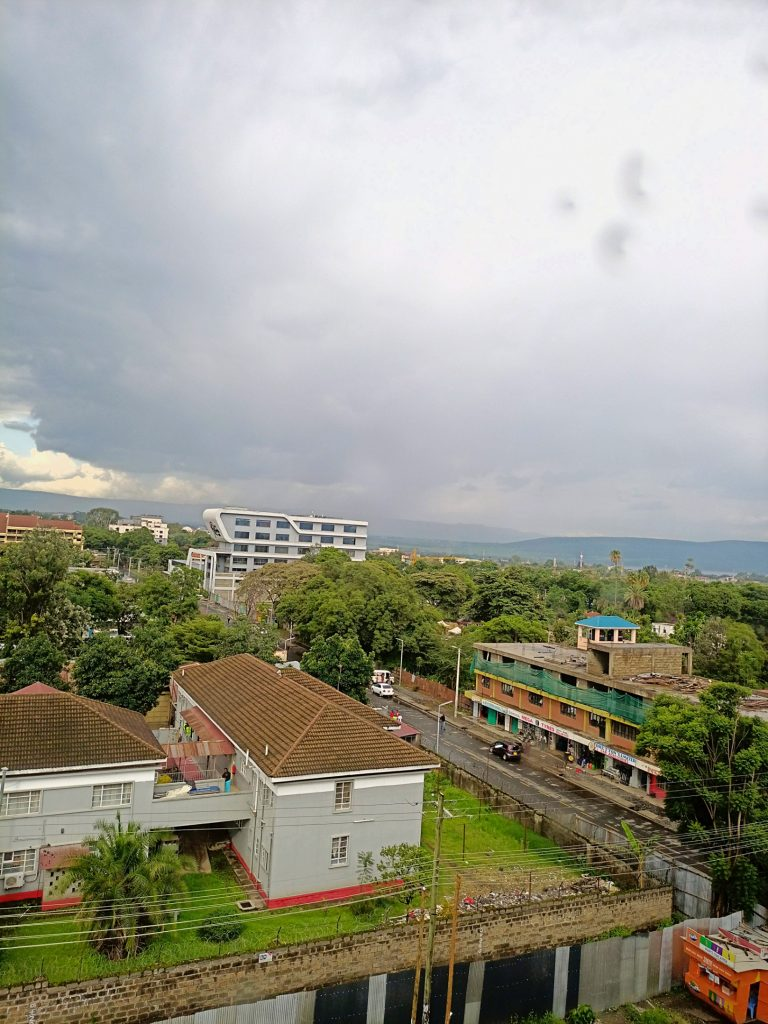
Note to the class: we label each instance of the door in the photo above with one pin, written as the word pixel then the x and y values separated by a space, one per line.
pixel 492 716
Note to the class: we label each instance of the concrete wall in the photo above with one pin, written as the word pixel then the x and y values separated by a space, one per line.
pixel 180 993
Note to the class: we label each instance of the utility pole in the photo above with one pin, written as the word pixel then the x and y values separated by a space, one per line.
pixel 419 943
pixel 452 954
pixel 402 645
pixel 458 673
pixel 432 913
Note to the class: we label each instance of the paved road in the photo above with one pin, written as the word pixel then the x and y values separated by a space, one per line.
pixel 544 790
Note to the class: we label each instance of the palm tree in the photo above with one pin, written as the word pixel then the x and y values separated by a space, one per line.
pixel 616 563
pixel 126 881
pixel 637 585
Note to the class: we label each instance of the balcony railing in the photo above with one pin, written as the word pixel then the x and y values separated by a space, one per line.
pixel 622 705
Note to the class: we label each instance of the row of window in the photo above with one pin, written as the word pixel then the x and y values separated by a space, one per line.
pixel 14 861
pixel 627 732
pixel 113 794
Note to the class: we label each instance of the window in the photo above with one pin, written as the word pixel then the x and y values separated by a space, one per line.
pixel 280 551
pixel 508 689
pixel 243 534
pixel 339 851
pixel 239 560
pixel 349 540
pixel 265 859
pixel 282 524
pixel 282 536
pixel 306 526
pixel 282 561
pixel 263 522
pixel 535 698
pixel 327 527
pixel 485 682
pixel 115 794
pixel 567 709
pixel 350 529
pixel 241 547
pixel 326 540
pixel 259 561
pixel 260 536
pixel 261 547
pixel 14 861
pixel 343 798
pixel 627 732
pixel 305 538
pixel 20 803
pixel 242 522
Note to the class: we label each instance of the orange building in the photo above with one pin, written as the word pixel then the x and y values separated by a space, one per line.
pixel 729 971
pixel 14 527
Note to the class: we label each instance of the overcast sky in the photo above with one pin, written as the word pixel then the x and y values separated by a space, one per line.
pixel 500 263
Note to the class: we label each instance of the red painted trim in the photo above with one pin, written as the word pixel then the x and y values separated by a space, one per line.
pixel 16 897
pixel 320 897
pixel 244 866
pixel 69 901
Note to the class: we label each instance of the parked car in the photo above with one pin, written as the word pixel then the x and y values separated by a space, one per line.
pixel 383 689
pixel 507 751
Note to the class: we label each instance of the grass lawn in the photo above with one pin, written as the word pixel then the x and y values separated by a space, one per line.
pixel 490 852
pixel 213 894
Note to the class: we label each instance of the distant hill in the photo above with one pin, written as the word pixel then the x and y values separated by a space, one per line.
pixel 722 557
pixel 471 540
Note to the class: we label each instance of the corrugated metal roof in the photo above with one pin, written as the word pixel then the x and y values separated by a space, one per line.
pixel 199 748
pixel 607 622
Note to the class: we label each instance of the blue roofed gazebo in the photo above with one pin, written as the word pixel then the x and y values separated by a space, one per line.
pixel 607 629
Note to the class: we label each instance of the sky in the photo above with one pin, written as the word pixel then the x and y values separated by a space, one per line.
pixel 501 263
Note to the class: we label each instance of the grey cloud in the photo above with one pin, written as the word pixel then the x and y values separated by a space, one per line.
pixel 319 256
pixel 21 425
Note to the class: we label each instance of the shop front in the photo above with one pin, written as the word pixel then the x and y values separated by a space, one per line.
pixel 633 771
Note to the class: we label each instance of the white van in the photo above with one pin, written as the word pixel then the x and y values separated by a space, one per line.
pixel 381 684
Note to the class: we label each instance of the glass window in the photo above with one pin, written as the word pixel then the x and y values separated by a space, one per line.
pixel 239 560
pixel 241 547
pixel 348 540
pixel 282 524
pixel 115 794
pixel 243 534
pixel 263 522
pixel 260 561
pixel 242 522
pixel 280 550
pixel 306 526
pixel 627 732
pixel 327 527
pixel 305 538
pixel 343 797
pixel 535 698
pixel 27 802
pixel 339 851
pixel 350 529
pixel 326 540
pixel 282 561
pixel 282 536
pixel 14 861
pixel 508 689
pixel 567 709
pixel 260 536
pixel 261 547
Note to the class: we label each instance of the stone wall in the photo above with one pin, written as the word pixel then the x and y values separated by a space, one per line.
pixel 187 988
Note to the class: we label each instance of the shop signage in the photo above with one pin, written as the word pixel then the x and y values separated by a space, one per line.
pixel 619 755
pixel 711 948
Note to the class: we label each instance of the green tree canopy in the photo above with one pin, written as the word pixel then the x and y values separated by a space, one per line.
pixel 199 638
pixel 96 593
pixel 512 629
pixel 34 659
pixel 510 591
pixel 29 572
pixel 119 671
pixel 101 516
pixel 170 598
pixel 340 662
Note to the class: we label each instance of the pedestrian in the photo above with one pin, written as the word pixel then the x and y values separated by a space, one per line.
pixel 442 722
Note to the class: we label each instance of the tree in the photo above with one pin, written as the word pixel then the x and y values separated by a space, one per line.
pixel 615 557
pixel 96 593
pixel 510 591
pixel 119 671
pixel 101 516
pixel 642 849
pixel 403 863
pixel 34 659
pixel 340 662
pixel 29 572
pixel 728 651
pixel 244 637
pixel 270 583
pixel 198 639
pixel 170 598
pixel 443 587
pixel 511 629
pixel 636 585
pixel 127 882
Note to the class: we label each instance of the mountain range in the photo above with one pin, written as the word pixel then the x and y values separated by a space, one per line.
pixel 467 539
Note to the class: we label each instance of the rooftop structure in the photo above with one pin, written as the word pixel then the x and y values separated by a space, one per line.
pixel 155 524
pixel 14 528
pixel 728 970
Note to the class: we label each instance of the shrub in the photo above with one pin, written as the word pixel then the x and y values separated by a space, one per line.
pixel 221 929
pixel 583 1014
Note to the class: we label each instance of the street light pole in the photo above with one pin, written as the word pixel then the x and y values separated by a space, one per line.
pixel 402 645
pixel 458 672
pixel 439 723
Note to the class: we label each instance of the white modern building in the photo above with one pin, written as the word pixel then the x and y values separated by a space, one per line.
pixel 249 539
pixel 156 526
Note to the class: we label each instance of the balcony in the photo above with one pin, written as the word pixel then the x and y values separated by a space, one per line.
pixel 200 796
pixel 622 705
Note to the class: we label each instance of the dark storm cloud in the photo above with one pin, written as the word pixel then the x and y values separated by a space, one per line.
pixel 280 252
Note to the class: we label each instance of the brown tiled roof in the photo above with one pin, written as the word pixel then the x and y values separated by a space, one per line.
pixel 61 730
pixel 336 696
pixel 292 727
pixel 36 523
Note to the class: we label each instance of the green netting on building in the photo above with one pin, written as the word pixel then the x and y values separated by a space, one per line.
pixel 623 705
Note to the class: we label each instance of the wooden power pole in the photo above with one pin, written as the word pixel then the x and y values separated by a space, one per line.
pixel 432 913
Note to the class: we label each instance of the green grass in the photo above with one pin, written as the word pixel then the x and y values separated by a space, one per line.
pixel 215 893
